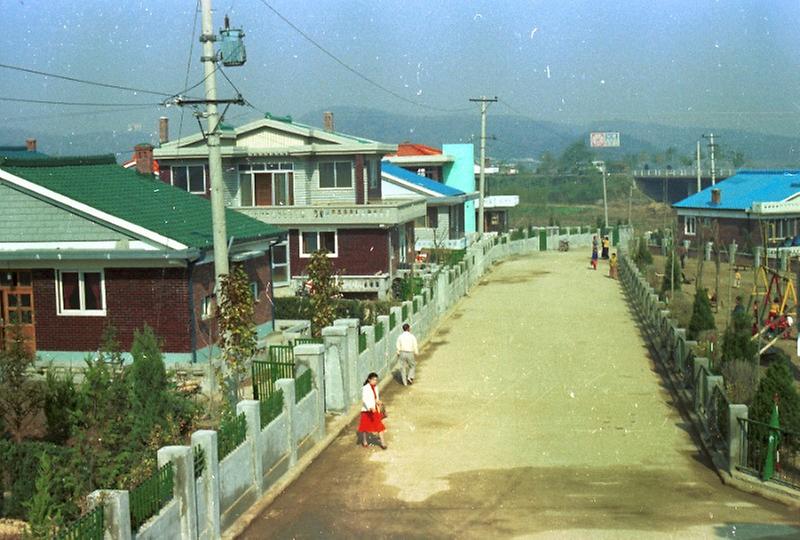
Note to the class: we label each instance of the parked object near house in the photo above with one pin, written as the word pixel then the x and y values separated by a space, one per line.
pixel 85 243
pixel 321 185
pixel 741 205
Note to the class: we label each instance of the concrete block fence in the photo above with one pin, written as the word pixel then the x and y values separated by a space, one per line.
pixel 204 505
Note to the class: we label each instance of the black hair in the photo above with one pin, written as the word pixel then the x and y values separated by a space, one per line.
pixel 406 326
pixel 371 375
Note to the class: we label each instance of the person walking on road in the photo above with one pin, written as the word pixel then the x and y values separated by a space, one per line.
pixel 407 349
pixel 612 266
pixel 605 245
pixel 371 412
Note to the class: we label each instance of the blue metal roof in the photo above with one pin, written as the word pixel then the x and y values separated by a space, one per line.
pixel 425 183
pixel 746 187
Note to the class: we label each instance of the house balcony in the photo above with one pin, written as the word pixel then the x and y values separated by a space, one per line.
pixel 383 213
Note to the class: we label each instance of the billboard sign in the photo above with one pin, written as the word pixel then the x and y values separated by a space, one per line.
pixel 604 139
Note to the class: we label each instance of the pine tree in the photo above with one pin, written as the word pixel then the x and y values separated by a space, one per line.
pixel 325 291
pixel 672 273
pixel 20 395
pixel 737 343
pixel 44 516
pixel 778 380
pixel 702 317
pixel 148 383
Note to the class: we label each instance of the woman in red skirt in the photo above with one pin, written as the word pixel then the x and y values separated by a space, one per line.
pixel 371 415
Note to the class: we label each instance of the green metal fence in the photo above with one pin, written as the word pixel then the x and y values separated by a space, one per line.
pixel 271 408
pixel 302 386
pixel 543 240
pixel 362 342
pixel 199 461
pixel 754 447
pixel 90 526
pixel 279 366
pixel 378 332
pixel 231 433
pixel 149 497
pixel 307 340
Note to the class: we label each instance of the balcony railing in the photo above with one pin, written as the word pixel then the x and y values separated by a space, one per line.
pixel 687 172
pixel 383 213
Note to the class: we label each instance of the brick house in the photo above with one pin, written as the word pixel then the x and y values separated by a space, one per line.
pixel 85 243
pixel 443 224
pixel 321 185
pixel 745 207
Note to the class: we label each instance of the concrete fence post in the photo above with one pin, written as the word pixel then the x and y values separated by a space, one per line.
pixel 732 252
pixel 207 440
pixel 252 415
pixel 758 253
pixel 313 356
pixel 736 435
pixel 381 348
pixel 783 260
pixel 371 351
pixel 419 319
pixel 288 389
pixel 337 373
pixel 351 363
pixel 183 486
pixel 699 363
pixel 116 512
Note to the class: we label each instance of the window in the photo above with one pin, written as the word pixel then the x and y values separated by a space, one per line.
pixel 266 184
pixel 433 217
pixel 81 293
pixel 191 178
pixel 208 308
pixel 336 174
pixel 690 225
pixel 372 177
pixel 311 241
pixel 280 264
pixel 254 290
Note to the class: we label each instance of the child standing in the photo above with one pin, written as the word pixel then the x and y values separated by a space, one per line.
pixel 594 258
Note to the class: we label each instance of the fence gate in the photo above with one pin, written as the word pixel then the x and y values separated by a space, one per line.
pixel 542 239
pixel 279 365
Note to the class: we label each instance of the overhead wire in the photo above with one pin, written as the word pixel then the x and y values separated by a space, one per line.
pixel 79 103
pixel 353 70
pixel 75 113
pixel 189 63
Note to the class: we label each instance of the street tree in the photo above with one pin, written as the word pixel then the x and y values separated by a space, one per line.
pixel 324 292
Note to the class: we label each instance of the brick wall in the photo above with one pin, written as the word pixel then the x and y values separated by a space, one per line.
pixel 361 252
pixel 134 296
pixel 745 231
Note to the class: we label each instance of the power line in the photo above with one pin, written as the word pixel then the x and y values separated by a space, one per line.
pixel 189 62
pixel 76 113
pixel 353 70
pixel 85 104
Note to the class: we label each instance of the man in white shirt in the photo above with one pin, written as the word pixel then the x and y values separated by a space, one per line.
pixel 407 348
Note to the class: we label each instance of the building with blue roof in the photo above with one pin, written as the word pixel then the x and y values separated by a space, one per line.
pixel 745 207
pixel 443 225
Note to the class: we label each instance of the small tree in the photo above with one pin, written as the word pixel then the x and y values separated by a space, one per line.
pixel 148 382
pixel 60 400
pixel 20 395
pixel 642 256
pixel 737 342
pixel 672 273
pixel 702 317
pixel 237 330
pixel 324 292
pixel 44 516
pixel 778 380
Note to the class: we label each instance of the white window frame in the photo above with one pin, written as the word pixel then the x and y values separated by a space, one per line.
pixel 254 290
pixel 188 182
pixel 287 264
pixel 207 307
pixel 690 225
pixel 335 186
pixel 83 312
pixel 247 172
pixel 304 255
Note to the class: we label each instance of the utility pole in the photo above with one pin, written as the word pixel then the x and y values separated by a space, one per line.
pixel 699 170
pixel 484 101
pixel 605 195
pixel 209 60
pixel 712 147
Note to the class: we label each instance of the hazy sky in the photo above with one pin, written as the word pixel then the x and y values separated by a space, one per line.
pixel 706 63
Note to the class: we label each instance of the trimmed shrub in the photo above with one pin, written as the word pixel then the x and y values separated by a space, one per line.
pixel 672 278
pixel 778 380
pixel 702 317
pixel 737 343
pixel 60 402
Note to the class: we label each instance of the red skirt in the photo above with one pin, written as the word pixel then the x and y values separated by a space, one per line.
pixel 370 422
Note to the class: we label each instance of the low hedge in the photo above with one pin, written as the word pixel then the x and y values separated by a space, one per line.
pixel 296 307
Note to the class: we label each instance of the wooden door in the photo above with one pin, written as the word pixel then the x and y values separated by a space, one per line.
pixel 17 308
pixel 263 191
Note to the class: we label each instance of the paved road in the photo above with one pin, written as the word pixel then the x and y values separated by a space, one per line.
pixel 537 414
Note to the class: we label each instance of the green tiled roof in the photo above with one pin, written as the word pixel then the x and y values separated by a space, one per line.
pixel 19 152
pixel 145 201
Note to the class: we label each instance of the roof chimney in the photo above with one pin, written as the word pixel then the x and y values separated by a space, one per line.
pixel 716 196
pixel 143 156
pixel 30 144
pixel 327 120
pixel 163 130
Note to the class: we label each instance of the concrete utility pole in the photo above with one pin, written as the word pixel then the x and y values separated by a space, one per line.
pixel 699 170
pixel 484 101
pixel 209 60
pixel 712 147
pixel 605 194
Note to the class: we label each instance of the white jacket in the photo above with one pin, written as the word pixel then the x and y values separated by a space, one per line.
pixel 367 399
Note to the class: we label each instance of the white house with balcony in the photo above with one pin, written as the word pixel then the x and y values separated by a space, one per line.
pixel 323 186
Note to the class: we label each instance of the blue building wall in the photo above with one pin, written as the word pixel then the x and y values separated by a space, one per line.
pixel 461 175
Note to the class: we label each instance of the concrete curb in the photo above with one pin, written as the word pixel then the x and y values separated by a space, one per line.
pixel 333 430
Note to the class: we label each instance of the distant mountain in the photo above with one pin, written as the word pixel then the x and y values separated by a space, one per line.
pixel 120 143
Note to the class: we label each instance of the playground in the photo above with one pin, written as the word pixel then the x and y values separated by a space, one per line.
pixel 537 413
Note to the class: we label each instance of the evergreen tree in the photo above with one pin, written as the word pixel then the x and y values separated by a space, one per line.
pixel 702 317
pixel 672 273
pixel 44 516
pixel 60 401
pixel 20 395
pixel 148 383
pixel 642 256
pixel 737 343
pixel 324 293
pixel 778 380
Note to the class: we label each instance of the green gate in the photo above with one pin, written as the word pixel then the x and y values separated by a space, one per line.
pixel 615 236
pixel 280 365
pixel 542 239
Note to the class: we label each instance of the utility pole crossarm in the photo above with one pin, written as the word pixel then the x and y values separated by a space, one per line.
pixel 484 101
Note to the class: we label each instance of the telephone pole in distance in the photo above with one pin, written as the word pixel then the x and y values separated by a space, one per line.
pixel 484 101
